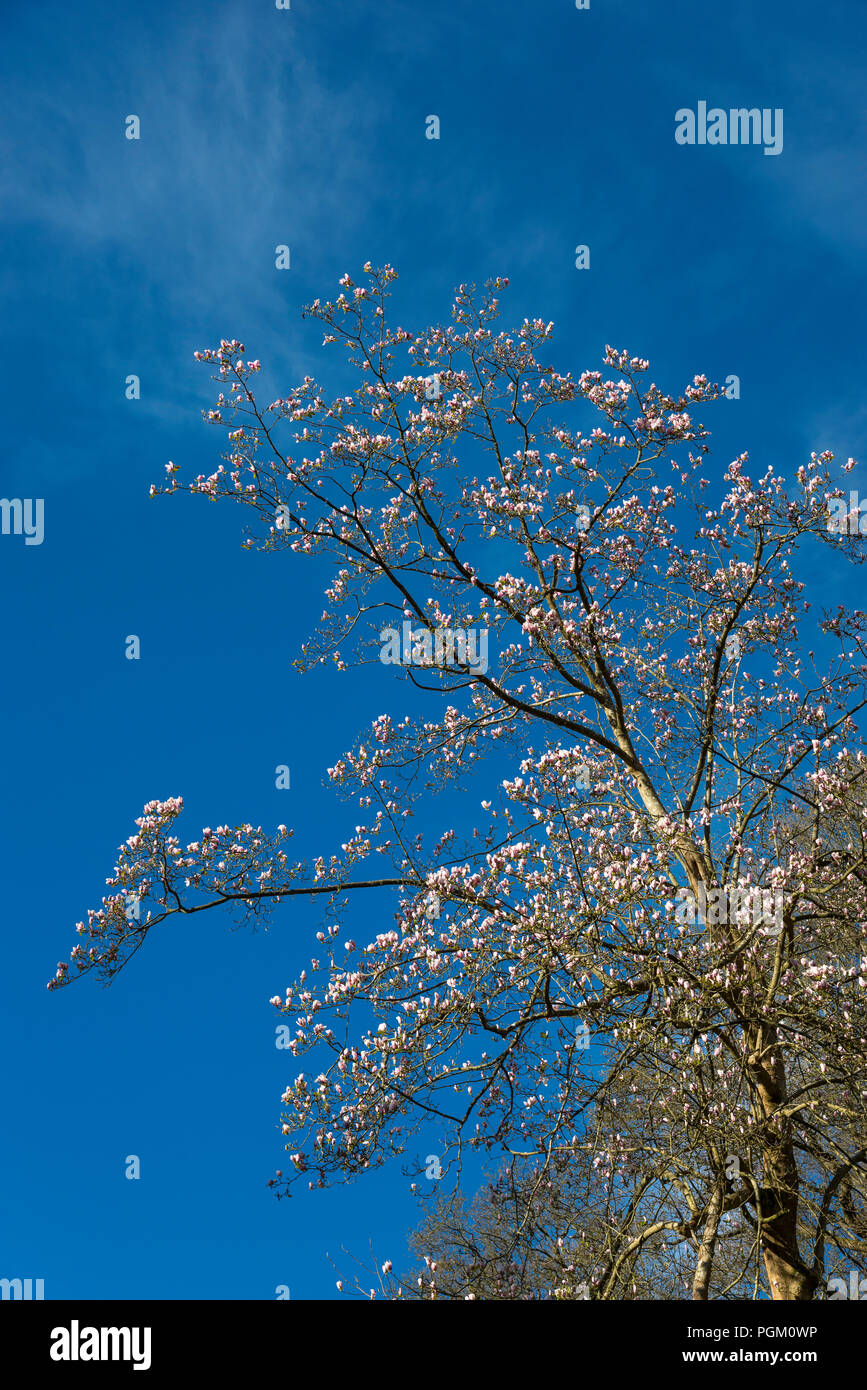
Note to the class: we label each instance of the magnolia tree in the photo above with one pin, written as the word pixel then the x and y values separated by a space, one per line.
pixel 641 971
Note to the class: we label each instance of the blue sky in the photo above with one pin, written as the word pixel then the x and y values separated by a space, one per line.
pixel 262 127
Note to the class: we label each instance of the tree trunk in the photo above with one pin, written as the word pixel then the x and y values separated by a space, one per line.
pixel 788 1277
pixel 704 1266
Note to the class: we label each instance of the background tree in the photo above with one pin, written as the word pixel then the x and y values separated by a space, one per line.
pixel 647 692
pixel 537 1231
